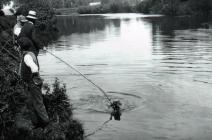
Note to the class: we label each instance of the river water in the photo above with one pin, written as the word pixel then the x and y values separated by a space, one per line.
pixel 160 68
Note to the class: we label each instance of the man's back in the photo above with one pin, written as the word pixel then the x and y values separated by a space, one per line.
pixel 27 30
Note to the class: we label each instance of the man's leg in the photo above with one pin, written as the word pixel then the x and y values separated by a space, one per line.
pixel 38 105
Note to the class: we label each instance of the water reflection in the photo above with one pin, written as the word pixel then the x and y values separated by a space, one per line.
pixel 85 24
pixel 183 44
pixel 157 66
pixel 133 46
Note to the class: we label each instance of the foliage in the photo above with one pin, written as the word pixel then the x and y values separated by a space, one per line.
pixel 13 99
pixel 175 7
pixel 6 25
pixel 60 110
pixel 78 3
pixel 143 7
pixel 93 9
pixel 57 102
pixel 122 7
pixel 46 24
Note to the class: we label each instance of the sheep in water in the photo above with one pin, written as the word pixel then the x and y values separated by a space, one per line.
pixel 116 112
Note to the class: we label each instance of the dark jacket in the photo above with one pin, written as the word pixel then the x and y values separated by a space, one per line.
pixel 25 71
pixel 28 32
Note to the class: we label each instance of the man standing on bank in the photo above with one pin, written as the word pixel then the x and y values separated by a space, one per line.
pixel 28 33
pixel 30 71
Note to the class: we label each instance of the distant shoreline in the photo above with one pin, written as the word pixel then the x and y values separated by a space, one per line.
pixel 66 11
pixel 74 12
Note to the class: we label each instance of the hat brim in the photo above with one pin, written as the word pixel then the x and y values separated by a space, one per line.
pixel 31 17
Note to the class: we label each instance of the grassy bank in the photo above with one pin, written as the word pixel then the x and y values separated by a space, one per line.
pixel 13 99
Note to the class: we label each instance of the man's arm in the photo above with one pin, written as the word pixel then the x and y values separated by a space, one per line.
pixel 30 63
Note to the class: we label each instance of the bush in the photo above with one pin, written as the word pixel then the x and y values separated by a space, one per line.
pixel 13 99
pixel 93 9
pixel 46 23
pixel 143 7
pixel 57 102
pixel 60 110
pixel 115 7
pixel 14 110
pixel 175 7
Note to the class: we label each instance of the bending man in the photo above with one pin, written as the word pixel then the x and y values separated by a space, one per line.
pixel 30 72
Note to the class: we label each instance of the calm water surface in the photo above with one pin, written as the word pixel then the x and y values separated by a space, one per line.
pixel 160 68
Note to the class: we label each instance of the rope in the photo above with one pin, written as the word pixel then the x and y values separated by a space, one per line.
pixel 97 129
pixel 202 81
pixel 111 103
pixel 72 67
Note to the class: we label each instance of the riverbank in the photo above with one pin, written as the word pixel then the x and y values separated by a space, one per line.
pixel 175 7
pixel 166 7
pixel 13 98
pixel 66 11
pixel 114 7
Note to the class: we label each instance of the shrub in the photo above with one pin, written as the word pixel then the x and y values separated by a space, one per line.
pixel 115 7
pixel 143 7
pixel 175 7
pixel 13 99
pixel 46 23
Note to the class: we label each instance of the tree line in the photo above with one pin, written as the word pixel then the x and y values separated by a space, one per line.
pixel 67 3
pixel 167 7
pixel 176 7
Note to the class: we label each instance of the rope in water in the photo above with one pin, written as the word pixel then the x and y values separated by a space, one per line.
pixel 97 129
pixel 72 67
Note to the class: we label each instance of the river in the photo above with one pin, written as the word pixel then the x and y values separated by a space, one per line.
pixel 159 67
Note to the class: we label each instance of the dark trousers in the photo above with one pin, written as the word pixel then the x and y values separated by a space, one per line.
pixel 33 113
pixel 38 111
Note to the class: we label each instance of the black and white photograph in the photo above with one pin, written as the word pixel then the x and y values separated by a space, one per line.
pixel 105 69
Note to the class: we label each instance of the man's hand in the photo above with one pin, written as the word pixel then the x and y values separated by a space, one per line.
pixel 37 79
pixel 44 48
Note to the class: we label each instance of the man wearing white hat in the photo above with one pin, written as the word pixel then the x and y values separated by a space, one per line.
pixel 28 31
pixel 30 70
pixel 32 15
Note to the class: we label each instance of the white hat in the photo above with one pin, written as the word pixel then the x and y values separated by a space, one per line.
pixel 32 15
